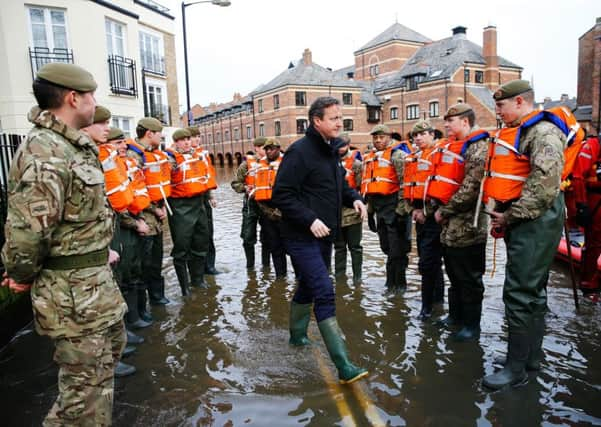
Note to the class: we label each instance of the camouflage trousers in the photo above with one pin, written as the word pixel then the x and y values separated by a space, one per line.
pixel 85 378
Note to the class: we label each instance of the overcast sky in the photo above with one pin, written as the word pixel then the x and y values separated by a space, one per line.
pixel 237 48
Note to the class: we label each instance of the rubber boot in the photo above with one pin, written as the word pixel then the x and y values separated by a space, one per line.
pixel 439 288
pixel 142 310
pixel 156 291
pixel 428 283
pixel 132 318
pixel 400 280
pixel 332 336
pixel 357 267
pixel 124 370
pixel 514 371
pixel 300 315
pixel 181 271
pixel 128 351
pixel 197 273
pixel 536 332
pixel 340 260
pixel 454 316
pixel 249 252
pixel 279 264
pixel 133 339
pixel 264 256
pixel 471 324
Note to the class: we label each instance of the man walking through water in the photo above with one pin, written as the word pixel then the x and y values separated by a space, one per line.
pixel 310 190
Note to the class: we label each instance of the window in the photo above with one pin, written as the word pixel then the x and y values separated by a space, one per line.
pixel 260 105
pixel 347 98
pixel 218 137
pixel 434 109
pixel 466 75
pixel 276 102
pixel 278 128
pixel 412 82
pixel 301 125
pixel 374 70
pixel 261 129
pixel 373 115
pixel 236 134
pixel 151 53
pixel 412 112
pixel 301 99
pixel 249 134
pixel 347 125
pixel 123 123
pixel 156 96
pixel 226 135
pixel 394 113
pixel 115 38
pixel 48 28
pixel 479 76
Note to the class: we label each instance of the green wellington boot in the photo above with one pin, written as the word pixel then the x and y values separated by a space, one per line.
pixel 332 336
pixel 536 332
pixel 514 371
pixel 182 277
pixel 300 315
pixel 196 266
pixel 249 252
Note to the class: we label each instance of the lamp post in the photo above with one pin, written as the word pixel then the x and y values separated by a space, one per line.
pixel 222 3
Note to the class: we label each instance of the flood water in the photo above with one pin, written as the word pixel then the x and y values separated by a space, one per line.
pixel 221 357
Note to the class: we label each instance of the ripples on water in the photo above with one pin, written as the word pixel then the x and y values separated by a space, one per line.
pixel 221 356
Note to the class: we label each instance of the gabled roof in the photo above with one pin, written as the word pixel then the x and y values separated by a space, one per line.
pixel 483 94
pixel 396 32
pixel 584 113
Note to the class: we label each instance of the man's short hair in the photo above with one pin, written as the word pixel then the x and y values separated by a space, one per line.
pixel 141 131
pixel 319 105
pixel 48 95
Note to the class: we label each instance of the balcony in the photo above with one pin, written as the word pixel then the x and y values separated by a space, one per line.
pixel 39 56
pixel 159 112
pixel 122 73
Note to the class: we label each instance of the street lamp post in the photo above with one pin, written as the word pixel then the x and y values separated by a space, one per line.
pixel 222 3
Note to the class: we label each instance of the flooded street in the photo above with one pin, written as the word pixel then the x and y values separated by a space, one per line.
pixel 221 357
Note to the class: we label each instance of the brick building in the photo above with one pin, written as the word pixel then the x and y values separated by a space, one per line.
pixel 589 78
pixel 397 78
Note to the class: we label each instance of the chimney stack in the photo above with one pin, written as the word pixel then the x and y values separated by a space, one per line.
pixel 459 30
pixel 564 97
pixel 307 57
pixel 489 52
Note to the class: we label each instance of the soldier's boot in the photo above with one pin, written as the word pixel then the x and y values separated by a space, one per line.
pixel 133 339
pixel 156 291
pixel 428 283
pixel 332 336
pixel 142 307
pixel 300 315
pixel 514 371
pixel 124 370
pixel 132 318
pixel 340 261
pixel 128 351
pixel 181 271
pixel 265 255
pixel 400 280
pixel 439 288
pixel 279 264
pixel 454 316
pixel 471 324
pixel 197 273
pixel 357 267
pixel 249 252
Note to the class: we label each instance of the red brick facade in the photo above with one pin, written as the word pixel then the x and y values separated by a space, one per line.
pixel 589 73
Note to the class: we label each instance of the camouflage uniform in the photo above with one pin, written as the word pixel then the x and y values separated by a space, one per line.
pixel 463 245
pixel 350 231
pixel 58 217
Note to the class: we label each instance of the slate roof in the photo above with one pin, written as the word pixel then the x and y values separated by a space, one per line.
pixel 395 32
pixel 571 103
pixel 584 113
pixel 483 94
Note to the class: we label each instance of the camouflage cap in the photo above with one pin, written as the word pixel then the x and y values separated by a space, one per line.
pixel 421 126
pixel 194 131
pixel 380 129
pixel 101 114
pixel 259 141
pixel 457 110
pixel 115 133
pixel 69 76
pixel 151 124
pixel 181 134
pixel 511 89
pixel 271 142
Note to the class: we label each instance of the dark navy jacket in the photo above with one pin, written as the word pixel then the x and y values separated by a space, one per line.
pixel 310 184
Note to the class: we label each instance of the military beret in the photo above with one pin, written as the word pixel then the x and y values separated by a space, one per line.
pixel 181 134
pixel 380 129
pixel 259 141
pixel 69 76
pixel 457 110
pixel 511 89
pixel 271 142
pixel 194 131
pixel 101 114
pixel 151 124
pixel 115 133
pixel 421 126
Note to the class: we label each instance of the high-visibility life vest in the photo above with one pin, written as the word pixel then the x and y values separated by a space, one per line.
pixel 116 183
pixel 379 175
pixel 347 164
pixel 204 156
pixel 265 178
pixel 448 168
pixel 418 167
pixel 189 178
pixel 591 155
pixel 251 170
pixel 138 184
pixel 157 171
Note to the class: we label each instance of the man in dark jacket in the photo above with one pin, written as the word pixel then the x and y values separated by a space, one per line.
pixel 310 190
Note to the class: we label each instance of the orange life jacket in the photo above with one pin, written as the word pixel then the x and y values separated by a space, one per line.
pixel 448 166
pixel 189 178
pixel 379 175
pixel 265 178
pixel 116 183
pixel 157 171
pixel 347 164
pixel 418 167
pixel 251 170
pixel 203 156
pixel 138 184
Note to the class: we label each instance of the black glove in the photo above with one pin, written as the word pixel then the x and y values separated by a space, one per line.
pixel 371 223
pixel 583 215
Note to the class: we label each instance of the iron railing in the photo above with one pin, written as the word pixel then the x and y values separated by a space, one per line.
pixel 122 73
pixel 39 56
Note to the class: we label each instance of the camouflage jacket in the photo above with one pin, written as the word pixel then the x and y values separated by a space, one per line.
pixel 459 231
pixel 349 215
pixel 238 184
pixel 57 207
pixel 544 144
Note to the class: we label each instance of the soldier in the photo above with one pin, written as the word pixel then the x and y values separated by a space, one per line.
pixel 351 225
pixel 523 182
pixel 157 172
pixel 244 183
pixel 382 176
pixel 418 167
pixel 458 169
pixel 58 229
pixel 189 222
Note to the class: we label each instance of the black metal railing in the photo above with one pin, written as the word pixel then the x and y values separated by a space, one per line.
pixel 122 73
pixel 8 146
pixel 159 112
pixel 39 56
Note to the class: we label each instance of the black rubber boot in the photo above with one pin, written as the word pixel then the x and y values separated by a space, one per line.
pixel 514 371
pixel 133 339
pixel 142 310
pixel 428 282
pixel 124 370
pixel 357 267
pixel 279 264
pixel 536 333
pixel 128 351
pixel 265 255
pixel 197 273
pixel 471 324
pixel 340 260
pixel 300 315
pixel 249 252
pixel 454 317
pixel 439 288
pixel 400 280
pixel 156 291
pixel 132 318
pixel 181 271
